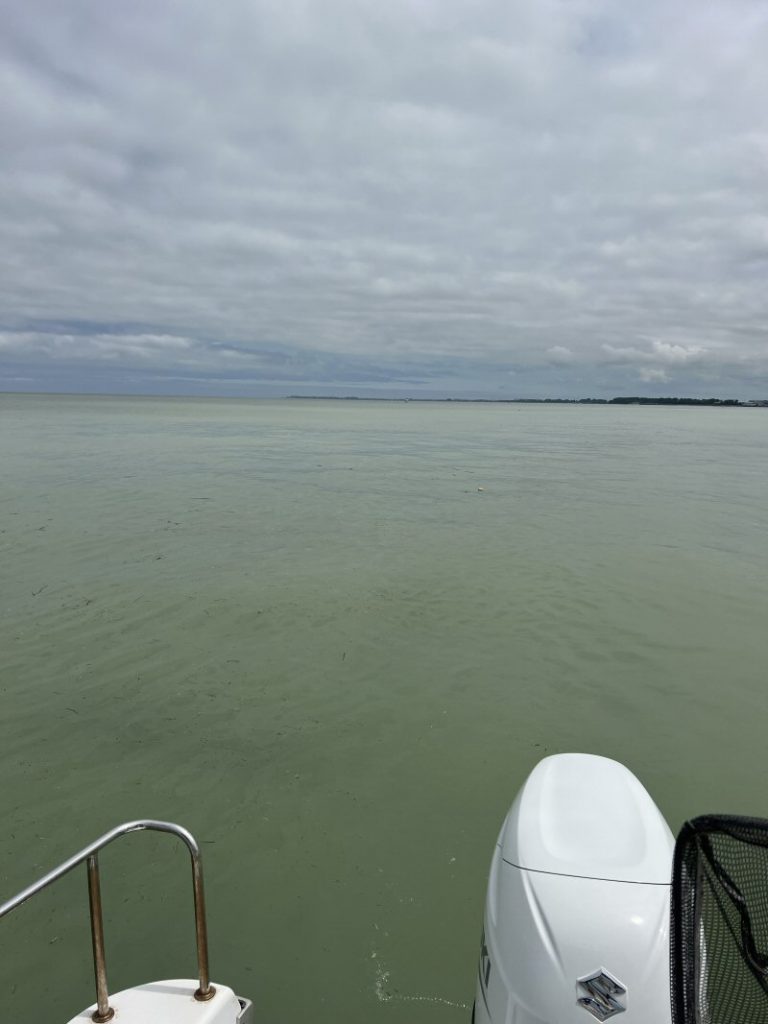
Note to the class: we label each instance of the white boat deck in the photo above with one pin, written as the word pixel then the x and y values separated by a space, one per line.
pixel 172 1002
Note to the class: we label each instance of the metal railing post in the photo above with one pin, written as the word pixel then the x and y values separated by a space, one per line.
pixel 206 990
pixel 103 1011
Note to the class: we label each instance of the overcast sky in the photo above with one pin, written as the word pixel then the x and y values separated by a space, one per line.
pixel 457 197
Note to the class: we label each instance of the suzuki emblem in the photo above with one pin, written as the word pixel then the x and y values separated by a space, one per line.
pixel 600 993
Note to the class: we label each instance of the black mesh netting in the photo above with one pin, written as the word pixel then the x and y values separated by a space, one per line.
pixel 719 929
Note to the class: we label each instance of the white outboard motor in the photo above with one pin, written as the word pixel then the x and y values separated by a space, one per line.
pixel 577 914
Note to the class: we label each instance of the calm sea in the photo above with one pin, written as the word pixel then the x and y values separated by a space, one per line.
pixel 332 638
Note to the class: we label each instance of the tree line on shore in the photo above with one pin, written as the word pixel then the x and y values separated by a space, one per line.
pixel 622 400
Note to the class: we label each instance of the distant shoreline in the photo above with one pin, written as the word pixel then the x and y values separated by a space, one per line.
pixel 717 403
pixel 721 403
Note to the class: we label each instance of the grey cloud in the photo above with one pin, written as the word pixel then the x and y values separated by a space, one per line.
pixel 541 197
pixel 658 352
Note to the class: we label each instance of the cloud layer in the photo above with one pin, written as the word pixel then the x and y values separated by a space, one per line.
pixel 504 197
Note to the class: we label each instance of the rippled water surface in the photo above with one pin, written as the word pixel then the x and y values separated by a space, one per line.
pixel 332 638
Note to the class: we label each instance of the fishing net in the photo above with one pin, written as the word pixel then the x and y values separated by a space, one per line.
pixel 719 929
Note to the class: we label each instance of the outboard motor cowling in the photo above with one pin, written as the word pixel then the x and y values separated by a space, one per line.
pixel 577 913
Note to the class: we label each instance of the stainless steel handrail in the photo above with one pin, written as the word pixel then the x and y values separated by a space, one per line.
pixel 89 854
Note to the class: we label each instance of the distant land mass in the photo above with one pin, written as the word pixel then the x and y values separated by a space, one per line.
pixel 628 400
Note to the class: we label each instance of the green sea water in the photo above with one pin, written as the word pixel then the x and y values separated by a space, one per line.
pixel 332 638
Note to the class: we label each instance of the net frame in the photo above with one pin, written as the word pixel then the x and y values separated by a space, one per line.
pixel 704 890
